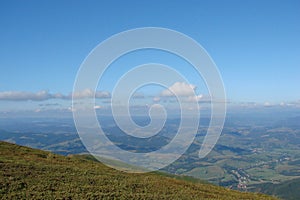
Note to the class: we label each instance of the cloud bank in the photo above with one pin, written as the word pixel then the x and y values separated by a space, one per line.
pixel 44 95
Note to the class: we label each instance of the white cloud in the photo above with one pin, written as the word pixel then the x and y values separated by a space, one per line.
pixel 186 92
pixel 88 93
pixel 156 106
pixel 156 99
pixel 37 110
pixel 196 98
pixel 102 94
pixel 138 95
pixel 293 104
pixel 179 89
pixel 45 95
pixel 71 109
pixel 268 104
pixel 24 96
pixel 97 107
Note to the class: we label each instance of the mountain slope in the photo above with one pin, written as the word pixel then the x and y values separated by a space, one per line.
pixel 288 190
pixel 27 173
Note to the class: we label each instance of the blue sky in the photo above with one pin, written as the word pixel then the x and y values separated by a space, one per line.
pixel 255 44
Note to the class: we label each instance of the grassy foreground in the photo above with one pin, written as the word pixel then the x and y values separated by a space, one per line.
pixel 27 173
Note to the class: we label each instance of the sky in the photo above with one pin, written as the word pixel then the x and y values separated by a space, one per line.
pixel 255 45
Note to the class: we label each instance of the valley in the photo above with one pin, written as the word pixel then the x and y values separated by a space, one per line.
pixel 256 156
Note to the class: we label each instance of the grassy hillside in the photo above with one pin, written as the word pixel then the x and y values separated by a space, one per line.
pixel 27 173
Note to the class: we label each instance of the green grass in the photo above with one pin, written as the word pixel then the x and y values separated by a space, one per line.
pixel 34 174
pixel 288 190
